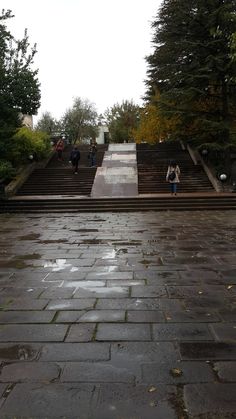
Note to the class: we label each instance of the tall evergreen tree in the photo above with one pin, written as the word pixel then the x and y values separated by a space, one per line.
pixel 193 65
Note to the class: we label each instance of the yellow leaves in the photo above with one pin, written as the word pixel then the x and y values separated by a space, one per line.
pixel 153 126
pixel 176 372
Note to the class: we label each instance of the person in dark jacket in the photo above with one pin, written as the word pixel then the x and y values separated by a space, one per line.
pixel 75 158
pixel 92 153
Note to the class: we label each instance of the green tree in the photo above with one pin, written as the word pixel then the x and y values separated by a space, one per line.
pixel 47 123
pixel 80 121
pixel 193 66
pixel 122 119
pixel 19 85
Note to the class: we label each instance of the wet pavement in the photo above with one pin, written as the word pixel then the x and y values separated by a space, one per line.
pixel 118 316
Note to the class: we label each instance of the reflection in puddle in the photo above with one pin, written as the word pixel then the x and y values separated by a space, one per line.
pixel 110 255
pixel 59 265
pixel 83 284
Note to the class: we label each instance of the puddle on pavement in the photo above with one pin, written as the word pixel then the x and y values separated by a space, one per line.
pixel 94 241
pixel 129 243
pixel 110 255
pixel 17 352
pixel 53 241
pixel 59 265
pixel 82 284
pixel 32 236
pixel 15 264
pixel 84 230
pixel 29 257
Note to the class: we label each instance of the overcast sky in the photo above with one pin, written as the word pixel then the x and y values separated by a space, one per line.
pixel 93 49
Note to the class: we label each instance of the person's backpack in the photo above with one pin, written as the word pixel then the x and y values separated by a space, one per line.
pixel 172 176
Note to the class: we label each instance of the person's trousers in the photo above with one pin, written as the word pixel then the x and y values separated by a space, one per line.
pixel 173 187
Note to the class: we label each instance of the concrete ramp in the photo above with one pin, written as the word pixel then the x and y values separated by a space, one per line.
pixel 118 175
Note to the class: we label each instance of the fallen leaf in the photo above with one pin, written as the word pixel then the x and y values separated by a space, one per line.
pixel 229 287
pixel 176 372
pixel 152 389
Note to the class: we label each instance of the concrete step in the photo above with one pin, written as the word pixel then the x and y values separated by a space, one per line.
pixel 191 203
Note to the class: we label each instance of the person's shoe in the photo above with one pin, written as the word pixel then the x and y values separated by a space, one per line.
pixel 76 173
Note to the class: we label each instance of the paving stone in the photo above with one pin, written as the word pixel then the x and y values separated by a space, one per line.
pixel 21 292
pixel 188 372
pixel 137 304
pixel 95 372
pixel 102 292
pixel 81 333
pixel 55 293
pixel 226 371
pixel 109 275
pixel 123 282
pixel 190 316
pixel 116 401
pixel 128 354
pixel 220 400
pixel 69 316
pixel 91 351
pixel 148 291
pixel 32 333
pixel 196 291
pixel 69 276
pixel 224 332
pixel 190 331
pixel 29 371
pixel 26 316
pixel 126 331
pixel 45 400
pixel 19 351
pixel 103 316
pixel 213 302
pixel 145 316
pixel 75 304
pixel 208 351
pixel 228 315
pixel 22 304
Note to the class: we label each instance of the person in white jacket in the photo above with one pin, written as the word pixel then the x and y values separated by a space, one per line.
pixel 172 176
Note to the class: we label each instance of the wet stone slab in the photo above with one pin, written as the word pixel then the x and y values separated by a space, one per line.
pixel 182 332
pixel 87 300
pixel 117 401
pixel 81 333
pixel 176 372
pixel 43 400
pixel 19 351
pixel 219 403
pixel 95 372
pixel 74 352
pixel 78 304
pixel 226 371
pixel 30 372
pixel 32 333
pixel 208 350
pixel 26 316
pixel 111 332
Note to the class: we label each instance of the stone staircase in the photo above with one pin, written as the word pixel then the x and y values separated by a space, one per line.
pixel 56 189
pixel 154 203
pixel 58 177
pixel 153 161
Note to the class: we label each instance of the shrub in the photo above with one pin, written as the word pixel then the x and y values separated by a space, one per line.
pixel 25 143
pixel 6 170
